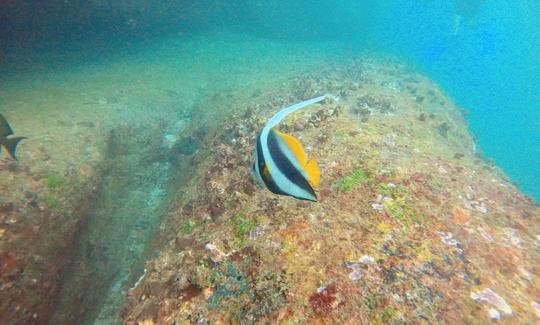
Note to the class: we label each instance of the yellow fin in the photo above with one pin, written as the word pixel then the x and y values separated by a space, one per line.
pixel 311 167
pixel 314 173
pixel 296 147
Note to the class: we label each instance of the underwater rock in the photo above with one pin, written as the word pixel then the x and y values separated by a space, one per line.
pixel 460 217
pixel 478 205
pixel 536 243
pixel 443 129
pixel 448 239
pixel 525 274
pixel 489 296
pixel 393 85
pixel 494 314
pixel 406 224
pixel 367 104
pixel 169 140
pixel 536 307
pixel 325 300
pixel 108 100
pixel 258 92
pixel 377 206
pixel 357 271
pixel 512 238
pixel 258 231
pixel 367 260
pixel 187 146
pixel 485 235
pixel 216 255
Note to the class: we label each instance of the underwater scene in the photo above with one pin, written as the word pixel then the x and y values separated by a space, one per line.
pixel 269 162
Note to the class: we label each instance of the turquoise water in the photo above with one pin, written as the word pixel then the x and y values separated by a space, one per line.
pixel 148 71
pixel 485 54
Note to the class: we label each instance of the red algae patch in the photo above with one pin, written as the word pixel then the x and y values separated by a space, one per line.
pixel 325 300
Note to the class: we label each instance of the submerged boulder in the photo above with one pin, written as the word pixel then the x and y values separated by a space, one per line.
pixel 409 227
pixel 187 146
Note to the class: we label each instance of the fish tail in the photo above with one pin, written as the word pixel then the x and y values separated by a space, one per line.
pixel 290 109
pixel 11 145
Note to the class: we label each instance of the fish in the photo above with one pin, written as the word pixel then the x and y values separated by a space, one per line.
pixel 10 144
pixel 280 161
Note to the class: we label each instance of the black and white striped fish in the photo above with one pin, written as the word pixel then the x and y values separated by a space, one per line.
pixel 281 163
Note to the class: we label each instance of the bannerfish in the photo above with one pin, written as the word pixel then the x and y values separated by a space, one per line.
pixel 281 163
pixel 9 143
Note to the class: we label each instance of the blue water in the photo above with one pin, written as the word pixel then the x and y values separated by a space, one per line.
pixel 488 59
pixel 484 54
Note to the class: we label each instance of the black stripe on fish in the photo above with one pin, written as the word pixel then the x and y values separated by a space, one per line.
pixel 268 181
pixel 286 167
pixel 253 168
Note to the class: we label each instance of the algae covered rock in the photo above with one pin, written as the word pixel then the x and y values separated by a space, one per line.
pixel 411 225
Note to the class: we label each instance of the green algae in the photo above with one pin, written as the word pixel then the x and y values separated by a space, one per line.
pixel 385 189
pixel 404 212
pixel 373 300
pixel 242 225
pixel 388 314
pixel 53 203
pixel 401 205
pixel 379 310
pixel 348 183
pixel 55 182
pixel 188 227
pixel 340 136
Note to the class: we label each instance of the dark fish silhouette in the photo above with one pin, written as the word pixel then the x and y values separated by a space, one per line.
pixel 9 143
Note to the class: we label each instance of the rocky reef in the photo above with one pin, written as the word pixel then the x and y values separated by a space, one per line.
pixel 412 225
pixel 43 203
pixel 74 168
